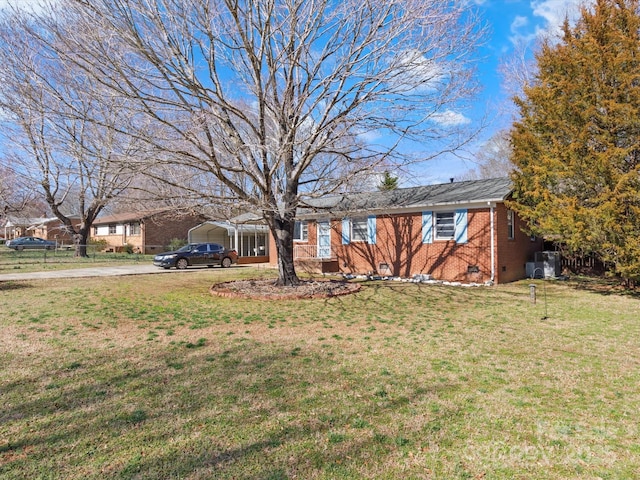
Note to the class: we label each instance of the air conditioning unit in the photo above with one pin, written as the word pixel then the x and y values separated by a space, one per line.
pixel 534 270
pixel 549 262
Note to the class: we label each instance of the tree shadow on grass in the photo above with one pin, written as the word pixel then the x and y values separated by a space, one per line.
pixel 603 285
pixel 376 293
pixel 238 413
pixel 286 451
pixel 9 286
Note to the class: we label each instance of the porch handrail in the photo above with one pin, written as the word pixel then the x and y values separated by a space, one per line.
pixel 308 251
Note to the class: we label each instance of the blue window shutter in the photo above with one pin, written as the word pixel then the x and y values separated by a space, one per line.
pixel 427 227
pixel 346 230
pixel 371 229
pixel 461 226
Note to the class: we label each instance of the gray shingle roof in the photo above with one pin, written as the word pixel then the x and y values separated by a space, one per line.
pixel 474 191
pixel 128 216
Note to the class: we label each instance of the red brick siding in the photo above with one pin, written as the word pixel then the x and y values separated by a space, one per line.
pixel 159 230
pixel 156 232
pixel 512 254
pixel 58 232
pixel 313 234
pixel 311 240
pixel 399 246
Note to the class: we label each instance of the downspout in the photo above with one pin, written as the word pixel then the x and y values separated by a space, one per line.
pixel 493 246
pixel 143 237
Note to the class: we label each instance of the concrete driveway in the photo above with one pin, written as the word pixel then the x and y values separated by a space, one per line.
pixel 119 270
pixel 142 269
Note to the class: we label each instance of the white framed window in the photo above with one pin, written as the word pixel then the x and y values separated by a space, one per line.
pixel 445 225
pixel 112 229
pixel 95 230
pixel 301 231
pixel 510 225
pixel 134 228
pixel 359 230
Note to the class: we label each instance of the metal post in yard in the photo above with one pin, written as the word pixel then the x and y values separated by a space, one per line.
pixel 544 289
pixel 532 293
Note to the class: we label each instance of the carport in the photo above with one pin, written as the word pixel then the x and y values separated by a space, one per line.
pixel 246 234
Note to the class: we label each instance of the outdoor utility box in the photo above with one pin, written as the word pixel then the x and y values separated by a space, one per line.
pixel 534 270
pixel 547 264
pixel 550 263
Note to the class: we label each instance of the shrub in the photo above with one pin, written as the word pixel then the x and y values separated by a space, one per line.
pixel 97 245
pixel 176 243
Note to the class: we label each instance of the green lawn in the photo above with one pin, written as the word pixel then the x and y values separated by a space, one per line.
pixel 150 377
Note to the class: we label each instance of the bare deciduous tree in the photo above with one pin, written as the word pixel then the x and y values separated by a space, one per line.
pixel 493 159
pixel 60 127
pixel 518 69
pixel 270 102
pixel 15 196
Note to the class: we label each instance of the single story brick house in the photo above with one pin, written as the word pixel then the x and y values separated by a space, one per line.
pixel 49 228
pixel 147 232
pixel 457 231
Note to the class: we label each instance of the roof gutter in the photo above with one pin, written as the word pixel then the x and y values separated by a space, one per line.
pixel 394 210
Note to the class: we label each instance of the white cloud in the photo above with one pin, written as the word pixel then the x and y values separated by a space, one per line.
pixel 554 12
pixel 449 118
pixel 28 5
pixel 547 17
pixel 414 72
pixel 518 23
pixel 370 137
pixel 5 115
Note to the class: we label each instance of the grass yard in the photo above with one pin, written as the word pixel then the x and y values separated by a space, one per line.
pixel 150 377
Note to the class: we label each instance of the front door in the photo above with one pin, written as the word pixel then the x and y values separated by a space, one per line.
pixel 324 240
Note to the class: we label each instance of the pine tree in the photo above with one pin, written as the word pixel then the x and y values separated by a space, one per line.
pixel 388 182
pixel 576 146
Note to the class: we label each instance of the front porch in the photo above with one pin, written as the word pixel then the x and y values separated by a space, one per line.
pixel 315 259
pixel 249 240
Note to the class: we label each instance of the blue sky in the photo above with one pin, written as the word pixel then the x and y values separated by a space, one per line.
pixel 510 22
pixel 517 22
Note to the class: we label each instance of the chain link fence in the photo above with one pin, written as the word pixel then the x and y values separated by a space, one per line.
pixel 11 259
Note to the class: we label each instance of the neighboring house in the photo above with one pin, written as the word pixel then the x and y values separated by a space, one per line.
pixel 458 231
pixel 48 228
pixel 143 232
pixel 246 234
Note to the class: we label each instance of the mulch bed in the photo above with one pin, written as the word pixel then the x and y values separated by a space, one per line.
pixel 268 290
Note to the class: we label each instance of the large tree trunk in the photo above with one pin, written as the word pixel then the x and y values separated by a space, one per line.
pixel 80 240
pixel 282 230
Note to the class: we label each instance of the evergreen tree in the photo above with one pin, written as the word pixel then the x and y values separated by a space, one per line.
pixel 576 147
pixel 388 182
